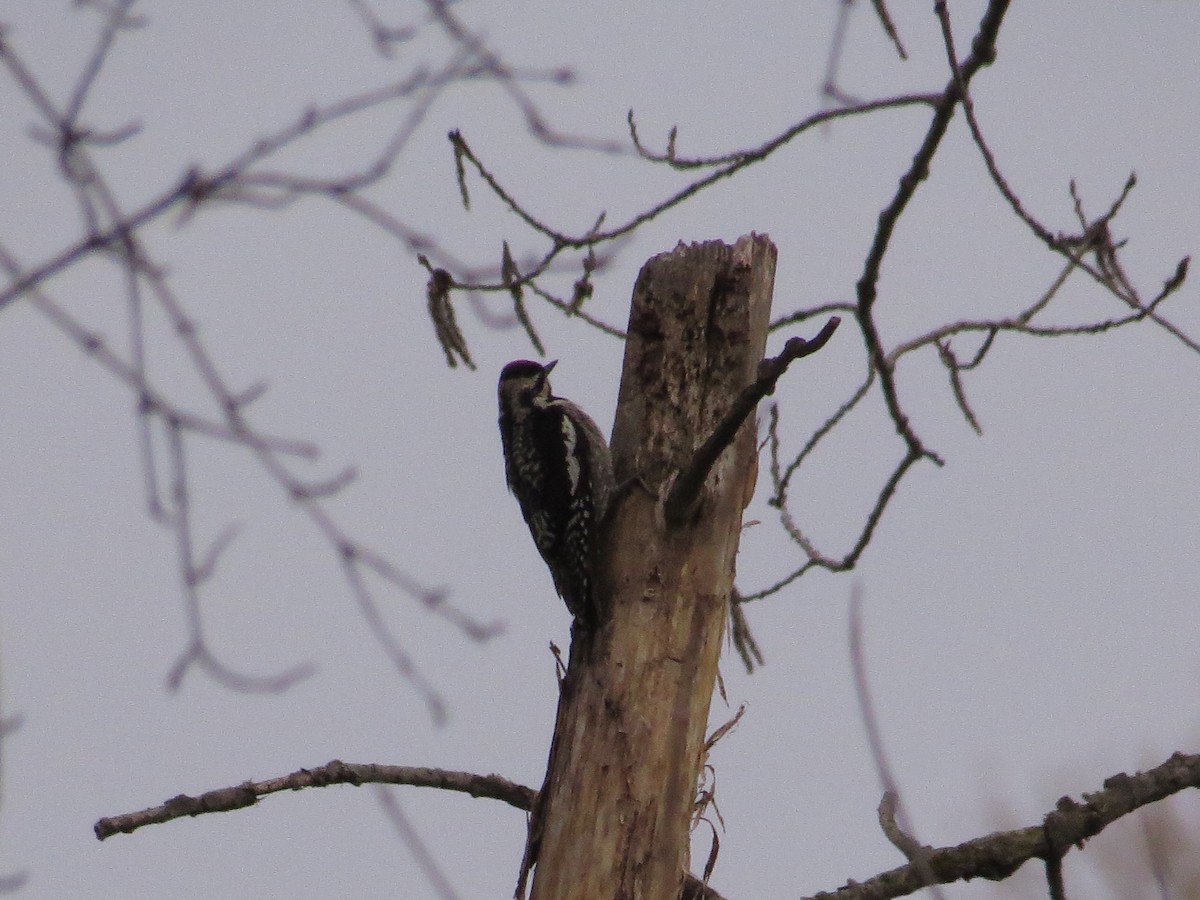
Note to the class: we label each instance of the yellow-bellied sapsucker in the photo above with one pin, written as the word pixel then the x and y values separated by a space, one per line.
pixel 559 468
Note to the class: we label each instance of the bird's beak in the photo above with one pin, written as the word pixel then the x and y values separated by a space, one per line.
pixel 550 365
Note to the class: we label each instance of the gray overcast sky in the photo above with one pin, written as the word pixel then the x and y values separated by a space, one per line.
pixel 1030 608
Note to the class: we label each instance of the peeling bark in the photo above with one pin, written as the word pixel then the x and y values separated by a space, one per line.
pixel 629 740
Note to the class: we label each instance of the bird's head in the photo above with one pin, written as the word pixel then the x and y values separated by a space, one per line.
pixel 525 381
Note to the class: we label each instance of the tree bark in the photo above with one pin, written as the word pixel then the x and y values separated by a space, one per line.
pixel 628 747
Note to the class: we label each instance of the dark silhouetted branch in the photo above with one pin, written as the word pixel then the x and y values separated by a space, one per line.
pixel 996 856
pixel 686 490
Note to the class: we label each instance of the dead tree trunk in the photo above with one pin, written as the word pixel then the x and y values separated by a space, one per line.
pixel 629 741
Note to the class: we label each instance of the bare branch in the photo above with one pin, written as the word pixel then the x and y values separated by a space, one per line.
pixel 996 856
pixel 982 54
pixel 508 79
pixel 511 276
pixel 151 400
pixel 728 164
pixel 954 370
pixel 1095 236
pixel 905 843
pixel 336 772
pixel 115 233
pixel 938 338
pixel 890 808
pixel 118 18
pixel 889 27
pixel 192 574
pixel 417 847
pixel 686 490
pixel 8 726
pixel 383 635
pixel 1054 877
pixel 385 37
pixel 833 62
pixel 248 793
pixel 573 308
pixel 208 563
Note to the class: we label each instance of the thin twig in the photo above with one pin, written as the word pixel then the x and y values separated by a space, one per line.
pixel 889 27
pixel 115 233
pixel 892 816
pixel 996 856
pixel 192 576
pixel 412 839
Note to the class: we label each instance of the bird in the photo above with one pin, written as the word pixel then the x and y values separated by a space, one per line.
pixel 558 466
